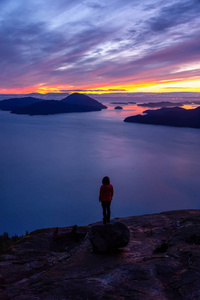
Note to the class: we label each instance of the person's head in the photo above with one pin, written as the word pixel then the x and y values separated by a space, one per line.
pixel 106 180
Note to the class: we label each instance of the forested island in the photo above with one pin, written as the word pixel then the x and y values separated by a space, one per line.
pixel 33 106
pixel 176 116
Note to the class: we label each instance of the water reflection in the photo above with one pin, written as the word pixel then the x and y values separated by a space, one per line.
pixel 132 109
pixel 127 111
pixel 52 166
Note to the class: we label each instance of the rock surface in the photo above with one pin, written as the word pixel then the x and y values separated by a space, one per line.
pixel 109 237
pixel 161 262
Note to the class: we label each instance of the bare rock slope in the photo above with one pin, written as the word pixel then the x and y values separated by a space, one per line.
pixel 161 261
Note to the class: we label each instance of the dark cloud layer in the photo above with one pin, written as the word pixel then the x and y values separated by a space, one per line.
pixel 95 43
pixel 180 12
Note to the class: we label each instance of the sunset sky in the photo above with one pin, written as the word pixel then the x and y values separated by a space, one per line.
pixel 98 45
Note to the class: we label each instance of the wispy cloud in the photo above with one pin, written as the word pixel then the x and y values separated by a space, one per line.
pixel 90 44
pixel 175 14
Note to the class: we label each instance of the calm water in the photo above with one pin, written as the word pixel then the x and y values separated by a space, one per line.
pixel 52 166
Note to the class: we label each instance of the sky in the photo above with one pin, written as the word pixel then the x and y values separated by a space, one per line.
pixel 99 46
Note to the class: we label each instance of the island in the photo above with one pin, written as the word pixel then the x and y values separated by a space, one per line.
pixel 33 106
pixel 167 104
pixel 162 104
pixel 161 261
pixel 175 116
pixel 17 103
pixel 124 103
pixel 118 107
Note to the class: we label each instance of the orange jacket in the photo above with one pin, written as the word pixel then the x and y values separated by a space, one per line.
pixel 106 193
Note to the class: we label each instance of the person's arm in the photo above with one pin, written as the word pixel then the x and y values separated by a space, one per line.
pixel 112 191
pixel 100 194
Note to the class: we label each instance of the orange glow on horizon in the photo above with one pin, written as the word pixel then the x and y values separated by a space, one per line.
pixel 148 87
pixel 163 86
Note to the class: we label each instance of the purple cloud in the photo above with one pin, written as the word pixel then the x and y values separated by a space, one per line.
pixel 174 14
pixel 93 43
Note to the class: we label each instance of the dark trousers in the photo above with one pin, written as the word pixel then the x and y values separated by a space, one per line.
pixel 106 211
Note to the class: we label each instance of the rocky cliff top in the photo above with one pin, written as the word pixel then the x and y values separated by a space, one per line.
pixel 161 261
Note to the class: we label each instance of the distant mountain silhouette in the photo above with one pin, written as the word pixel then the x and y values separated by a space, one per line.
pixel 49 96
pixel 46 96
pixel 124 103
pixel 162 104
pixel 33 106
pixel 175 116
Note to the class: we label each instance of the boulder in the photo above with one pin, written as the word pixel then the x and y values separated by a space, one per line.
pixel 109 237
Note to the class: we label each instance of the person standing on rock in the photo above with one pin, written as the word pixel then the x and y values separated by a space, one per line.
pixel 105 197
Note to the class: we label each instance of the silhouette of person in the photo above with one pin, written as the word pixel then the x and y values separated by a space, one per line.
pixel 105 197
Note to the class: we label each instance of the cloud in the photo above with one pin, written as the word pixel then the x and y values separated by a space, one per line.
pixel 179 12
pixel 92 43
pixel 175 88
pixel 94 90
pixel 158 64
